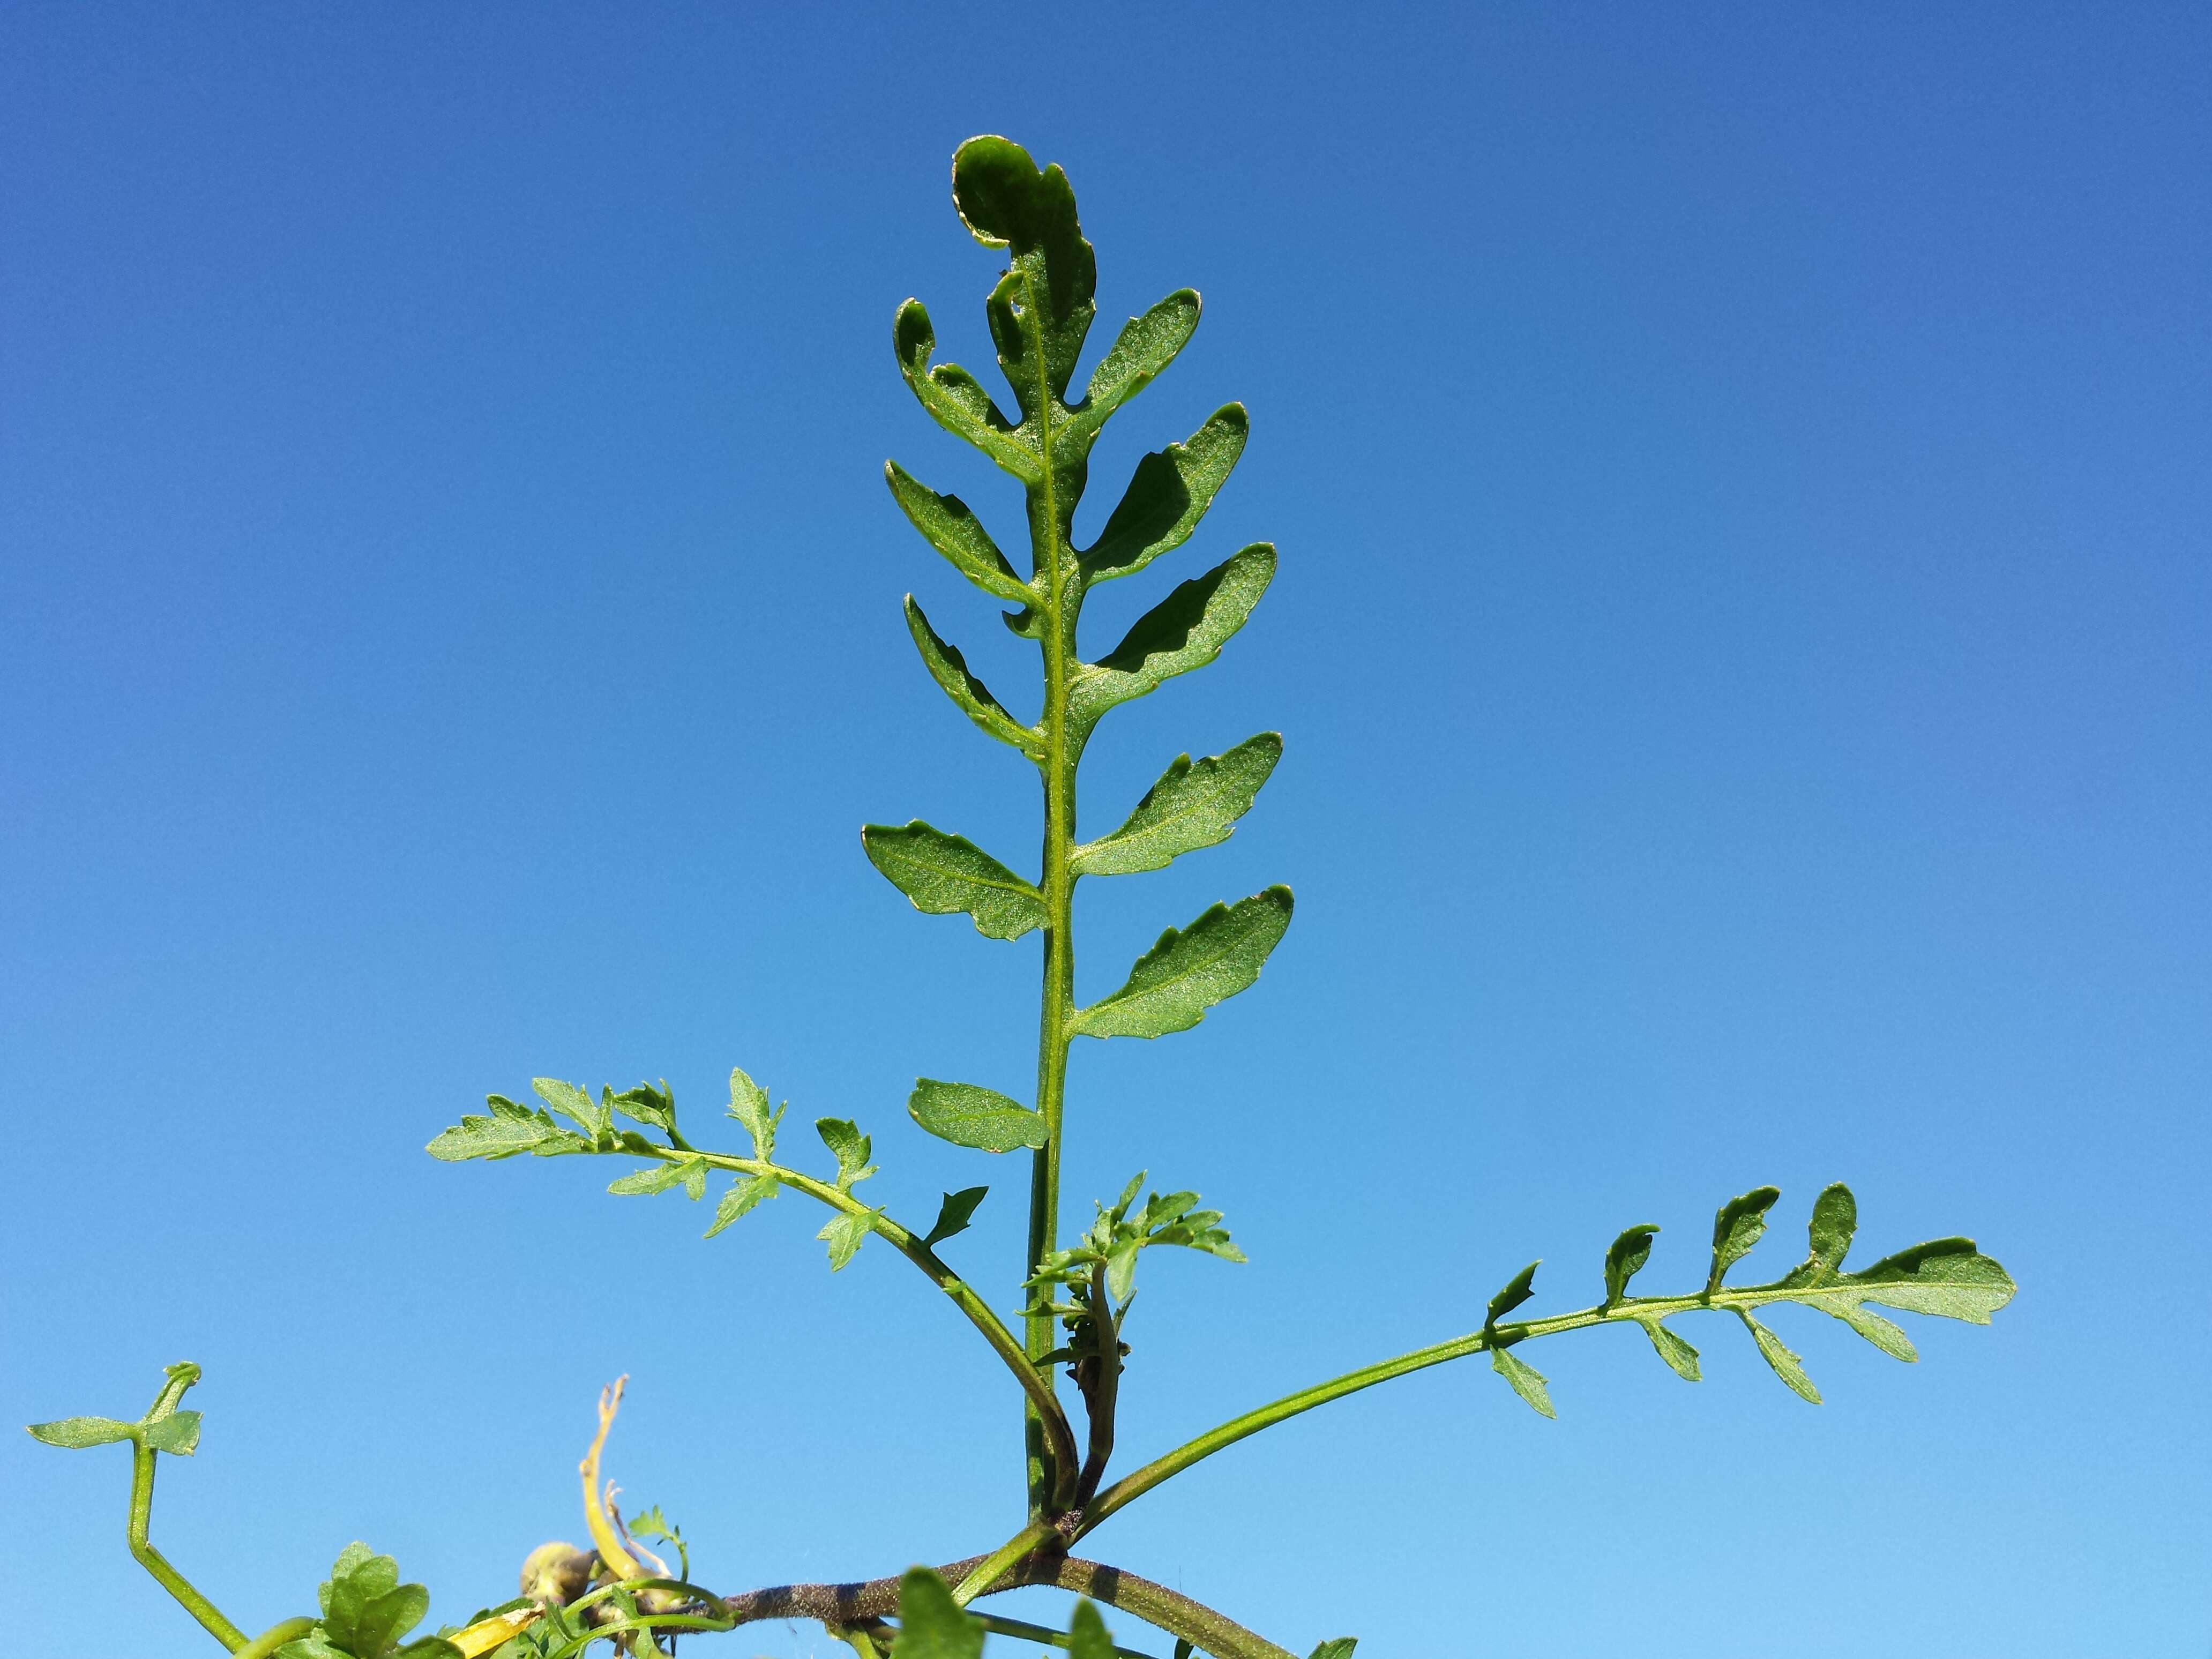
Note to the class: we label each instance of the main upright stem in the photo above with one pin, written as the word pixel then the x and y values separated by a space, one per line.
pixel 1057 639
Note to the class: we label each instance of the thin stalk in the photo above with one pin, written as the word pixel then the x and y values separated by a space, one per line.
pixel 1059 1435
pixel 275 1637
pixel 1043 1635
pixel 987 1571
pixel 144 1552
pixel 1634 1310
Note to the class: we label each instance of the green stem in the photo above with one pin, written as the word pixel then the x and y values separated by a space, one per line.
pixel 1043 1635
pixel 1051 1473
pixel 142 1552
pixel 275 1637
pixel 987 1571
pixel 1633 1309
pixel 1059 1438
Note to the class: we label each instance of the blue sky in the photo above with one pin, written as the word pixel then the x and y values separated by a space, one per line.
pixel 1742 479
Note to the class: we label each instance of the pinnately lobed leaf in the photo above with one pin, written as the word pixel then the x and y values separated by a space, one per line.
pixel 946 875
pixel 849 1146
pixel 740 1199
pixel 1193 805
pixel 509 1131
pixel 749 1106
pixel 1187 972
pixel 969 1115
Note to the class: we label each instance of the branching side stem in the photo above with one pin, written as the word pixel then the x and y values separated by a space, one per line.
pixel 1059 1437
pixel 1630 1310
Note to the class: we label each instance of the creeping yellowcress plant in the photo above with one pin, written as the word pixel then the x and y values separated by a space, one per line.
pixel 1075 1292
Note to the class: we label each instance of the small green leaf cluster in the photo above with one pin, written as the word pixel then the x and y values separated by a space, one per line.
pixel 366 1612
pixel 1108 1248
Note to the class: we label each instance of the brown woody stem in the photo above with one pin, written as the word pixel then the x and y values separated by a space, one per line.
pixel 847 1605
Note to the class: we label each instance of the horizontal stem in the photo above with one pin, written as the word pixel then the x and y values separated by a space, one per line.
pixel 1156 1604
pixel 963 1294
pixel 1632 1309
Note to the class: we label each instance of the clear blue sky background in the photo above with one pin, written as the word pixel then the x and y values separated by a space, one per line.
pixel 1742 479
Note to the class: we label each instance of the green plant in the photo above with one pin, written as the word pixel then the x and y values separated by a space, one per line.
pixel 1076 1298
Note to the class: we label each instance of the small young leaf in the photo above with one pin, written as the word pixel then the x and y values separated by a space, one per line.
pixel 1191 806
pixel 953 1215
pixel 749 1105
pixel 1168 494
pixel 1518 1289
pixel 653 1107
pixel 1174 983
pixel 574 1104
pixel 390 1616
pixel 1041 309
pixel 1737 1228
pixel 740 1198
pixel 1624 1259
pixel 973 698
pixel 931 1624
pixel 944 875
pixel 1526 1381
pixel 948 525
pixel 509 1131
pixel 850 1147
pixel 1337 1647
pixel 1835 1218
pixel 359 1579
pixel 1121 1268
pixel 967 1115
pixel 177 1433
pixel 74 1433
pixel 656 1178
pixel 1185 630
pixel 1786 1363
pixel 844 1234
pixel 1680 1356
